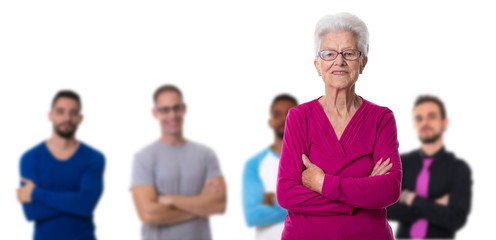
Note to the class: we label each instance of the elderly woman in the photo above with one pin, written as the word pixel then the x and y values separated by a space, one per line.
pixel 339 166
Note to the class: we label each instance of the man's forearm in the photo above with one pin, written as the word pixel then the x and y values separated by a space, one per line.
pixel 401 212
pixel 453 217
pixel 201 205
pixel 159 214
pixel 36 211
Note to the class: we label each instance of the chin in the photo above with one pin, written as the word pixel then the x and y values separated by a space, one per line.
pixel 426 136
pixel 340 84
pixel 174 131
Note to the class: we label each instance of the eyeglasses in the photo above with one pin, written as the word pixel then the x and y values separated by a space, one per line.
pixel 350 54
pixel 165 110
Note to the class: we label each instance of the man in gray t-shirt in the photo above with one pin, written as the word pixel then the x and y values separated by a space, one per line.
pixel 176 183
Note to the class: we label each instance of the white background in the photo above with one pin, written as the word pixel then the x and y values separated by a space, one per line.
pixel 231 58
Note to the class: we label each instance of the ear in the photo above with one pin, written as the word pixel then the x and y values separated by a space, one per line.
pixel 414 121
pixel 316 63
pixel 185 108
pixel 154 113
pixel 364 63
pixel 49 115
pixel 270 122
pixel 446 123
pixel 81 117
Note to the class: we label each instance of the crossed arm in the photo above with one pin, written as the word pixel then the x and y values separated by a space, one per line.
pixel 260 207
pixel 291 193
pixel 39 203
pixel 311 191
pixel 449 211
pixel 154 209
pixel 403 210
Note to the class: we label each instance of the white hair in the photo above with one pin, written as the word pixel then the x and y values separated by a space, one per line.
pixel 343 22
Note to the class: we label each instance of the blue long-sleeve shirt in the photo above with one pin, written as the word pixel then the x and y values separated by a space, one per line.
pixel 259 177
pixel 66 192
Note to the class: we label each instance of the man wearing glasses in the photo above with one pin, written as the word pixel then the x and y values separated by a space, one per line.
pixel 62 178
pixel 176 183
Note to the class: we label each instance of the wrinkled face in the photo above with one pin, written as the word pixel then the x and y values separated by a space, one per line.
pixel 169 111
pixel 429 123
pixel 339 73
pixel 65 117
pixel 278 115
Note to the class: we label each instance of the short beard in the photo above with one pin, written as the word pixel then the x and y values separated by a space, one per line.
pixel 431 139
pixel 65 135
pixel 279 134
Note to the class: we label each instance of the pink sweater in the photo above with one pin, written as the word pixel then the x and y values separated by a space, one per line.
pixel 352 205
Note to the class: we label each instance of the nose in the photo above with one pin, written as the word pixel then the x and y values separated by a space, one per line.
pixel 67 116
pixel 424 123
pixel 339 60
pixel 172 113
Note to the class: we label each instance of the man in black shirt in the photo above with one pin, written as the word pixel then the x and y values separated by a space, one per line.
pixel 437 186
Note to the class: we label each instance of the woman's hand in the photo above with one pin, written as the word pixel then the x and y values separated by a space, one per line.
pixel 313 176
pixel 381 168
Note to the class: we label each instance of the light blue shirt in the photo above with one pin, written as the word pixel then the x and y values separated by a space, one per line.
pixel 260 176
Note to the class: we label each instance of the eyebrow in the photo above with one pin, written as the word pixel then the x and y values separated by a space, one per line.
pixel 428 114
pixel 63 108
pixel 168 105
pixel 342 49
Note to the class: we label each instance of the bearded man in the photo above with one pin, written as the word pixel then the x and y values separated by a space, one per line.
pixel 436 186
pixel 62 178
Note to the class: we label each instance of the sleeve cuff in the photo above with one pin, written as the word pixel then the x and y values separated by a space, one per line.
pixel 419 203
pixel 330 187
pixel 349 211
pixel 38 195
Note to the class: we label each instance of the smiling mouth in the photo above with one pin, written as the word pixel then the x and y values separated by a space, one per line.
pixel 340 72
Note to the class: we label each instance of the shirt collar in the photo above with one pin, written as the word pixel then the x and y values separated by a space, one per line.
pixel 438 155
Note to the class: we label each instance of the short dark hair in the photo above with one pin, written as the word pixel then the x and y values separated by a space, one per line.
pixel 67 94
pixel 166 88
pixel 281 97
pixel 429 98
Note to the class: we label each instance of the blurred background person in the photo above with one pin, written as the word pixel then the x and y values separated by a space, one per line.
pixel 260 177
pixel 62 177
pixel 437 186
pixel 176 183
pixel 339 167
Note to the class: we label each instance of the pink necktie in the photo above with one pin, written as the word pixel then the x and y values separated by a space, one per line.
pixel 419 227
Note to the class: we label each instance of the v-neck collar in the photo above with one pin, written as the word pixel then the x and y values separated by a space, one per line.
pixel 63 160
pixel 342 144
